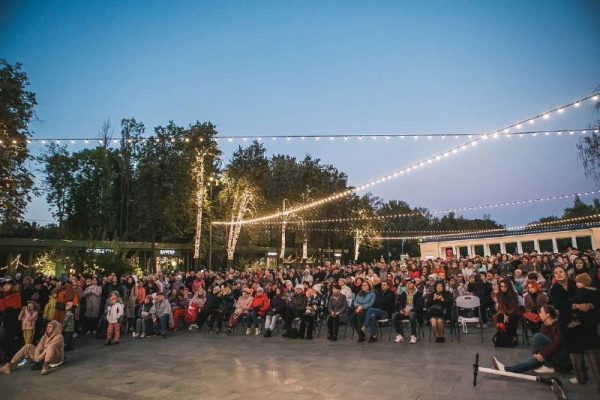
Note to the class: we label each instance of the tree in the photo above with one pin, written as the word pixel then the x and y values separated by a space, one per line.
pixel 58 167
pixel 589 150
pixel 16 111
pixel 244 179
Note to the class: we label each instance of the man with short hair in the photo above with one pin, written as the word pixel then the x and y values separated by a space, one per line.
pixel 548 347
pixel 161 314
pixel 383 307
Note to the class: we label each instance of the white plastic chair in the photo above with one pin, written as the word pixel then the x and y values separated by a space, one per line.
pixel 469 303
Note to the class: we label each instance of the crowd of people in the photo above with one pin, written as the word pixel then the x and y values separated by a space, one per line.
pixel 553 295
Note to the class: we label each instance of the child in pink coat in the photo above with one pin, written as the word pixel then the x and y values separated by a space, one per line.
pixel 28 316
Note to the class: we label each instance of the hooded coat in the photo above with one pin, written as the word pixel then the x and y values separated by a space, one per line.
pixel 51 348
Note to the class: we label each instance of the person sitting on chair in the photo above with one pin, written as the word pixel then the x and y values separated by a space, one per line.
pixel 439 303
pixel 382 308
pixel 410 305
pixel 49 352
pixel 548 348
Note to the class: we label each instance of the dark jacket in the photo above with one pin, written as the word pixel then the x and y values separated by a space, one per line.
pixel 338 304
pixel 418 301
pixel 277 306
pixel 298 304
pixel 483 290
pixel 553 333
pixel 561 300
pixel 385 301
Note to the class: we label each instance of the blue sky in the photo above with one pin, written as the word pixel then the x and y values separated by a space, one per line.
pixel 305 67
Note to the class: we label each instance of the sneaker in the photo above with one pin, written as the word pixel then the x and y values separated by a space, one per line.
pixel 497 364
pixel 485 326
pixel 134 335
pixel 413 339
pixel 248 331
pixel 88 332
pixel 23 363
pixel 399 338
pixel 364 329
pixel 93 332
pixel 544 370
pixel 143 335
pixel 267 333
pixel 372 339
pixel 75 335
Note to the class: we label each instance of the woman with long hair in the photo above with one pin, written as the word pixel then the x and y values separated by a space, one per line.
pixel 508 315
pixel 439 308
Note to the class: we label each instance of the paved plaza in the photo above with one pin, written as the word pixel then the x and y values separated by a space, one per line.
pixel 189 365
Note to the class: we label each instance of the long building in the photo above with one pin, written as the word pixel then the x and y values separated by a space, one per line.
pixel 554 240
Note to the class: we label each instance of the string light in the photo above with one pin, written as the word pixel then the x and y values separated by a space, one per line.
pixel 394 174
pixel 231 139
pixel 445 211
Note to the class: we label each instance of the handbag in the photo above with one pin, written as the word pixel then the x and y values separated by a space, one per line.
pixel 532 317
pixel 60 306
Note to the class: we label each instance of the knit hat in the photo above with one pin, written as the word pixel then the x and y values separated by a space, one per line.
pixel 585 279
pixel 301 287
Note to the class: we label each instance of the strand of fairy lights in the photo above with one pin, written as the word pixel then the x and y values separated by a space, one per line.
pixel 416 213
pixel 471 143
pixel 470 232
pixel 539 227
pixel 325 138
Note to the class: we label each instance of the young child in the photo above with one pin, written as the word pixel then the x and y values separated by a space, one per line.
pixel 28 316
pixel 68 325
pixel 114 313
pixel 50 308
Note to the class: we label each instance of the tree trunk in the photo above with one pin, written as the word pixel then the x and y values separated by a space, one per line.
pixel 305 248
pixel 357 242
pixel 282 253
pixel 234 231
pixel 199 202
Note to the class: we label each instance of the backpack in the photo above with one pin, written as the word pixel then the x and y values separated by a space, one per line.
pixel 505 339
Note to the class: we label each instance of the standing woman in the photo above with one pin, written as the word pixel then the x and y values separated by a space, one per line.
pixel 92 295
pixel 10 307
pixel 507 317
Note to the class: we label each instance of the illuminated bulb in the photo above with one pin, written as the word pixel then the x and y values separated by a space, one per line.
pixel 443 137
pixel 576 104
pixel 584 132
pixel 87 141
pixel 58 141
pixel 259 139
pixel 229 139
pixel 72 141
pixel 474 144
pixel 302 138
pixel 547 133
pixel 274 138
pixel 331 138
pixel 559 133
pixel 571 132
pixel 519 126
pixel 345 137
pixel 317 138
pixel 14 142
pixel 289 138
pixel 115 140
pixel 402 137
pixel 595 98
pixel 531 121
pixel 535 134
pixel 546 116
pixel 360 138
pixel 374 137
pixel 387 138
pixel 428 137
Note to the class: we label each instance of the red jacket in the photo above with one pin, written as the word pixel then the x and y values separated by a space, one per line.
pixel 10 300
pixel 261 302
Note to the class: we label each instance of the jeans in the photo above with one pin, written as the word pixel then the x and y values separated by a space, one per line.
pixel 399 326
pixel 539 343
pixel 271 321
pixel 371 318
pixel 162 323
pixel 253 319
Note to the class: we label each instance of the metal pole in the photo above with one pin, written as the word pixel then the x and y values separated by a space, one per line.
pixel 210 230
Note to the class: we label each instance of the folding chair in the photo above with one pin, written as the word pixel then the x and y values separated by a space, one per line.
pixel 451 323
pixel 382 323
pixel 524 331
pixel 468 303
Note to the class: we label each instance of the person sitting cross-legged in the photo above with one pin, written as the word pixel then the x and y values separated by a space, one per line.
pixel 382 308
pixel 49 352
pixel 410 305
pixel 296 309
pixel 548 348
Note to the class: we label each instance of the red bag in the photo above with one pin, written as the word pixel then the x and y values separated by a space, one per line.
pixel 191 315
pixel 532 317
